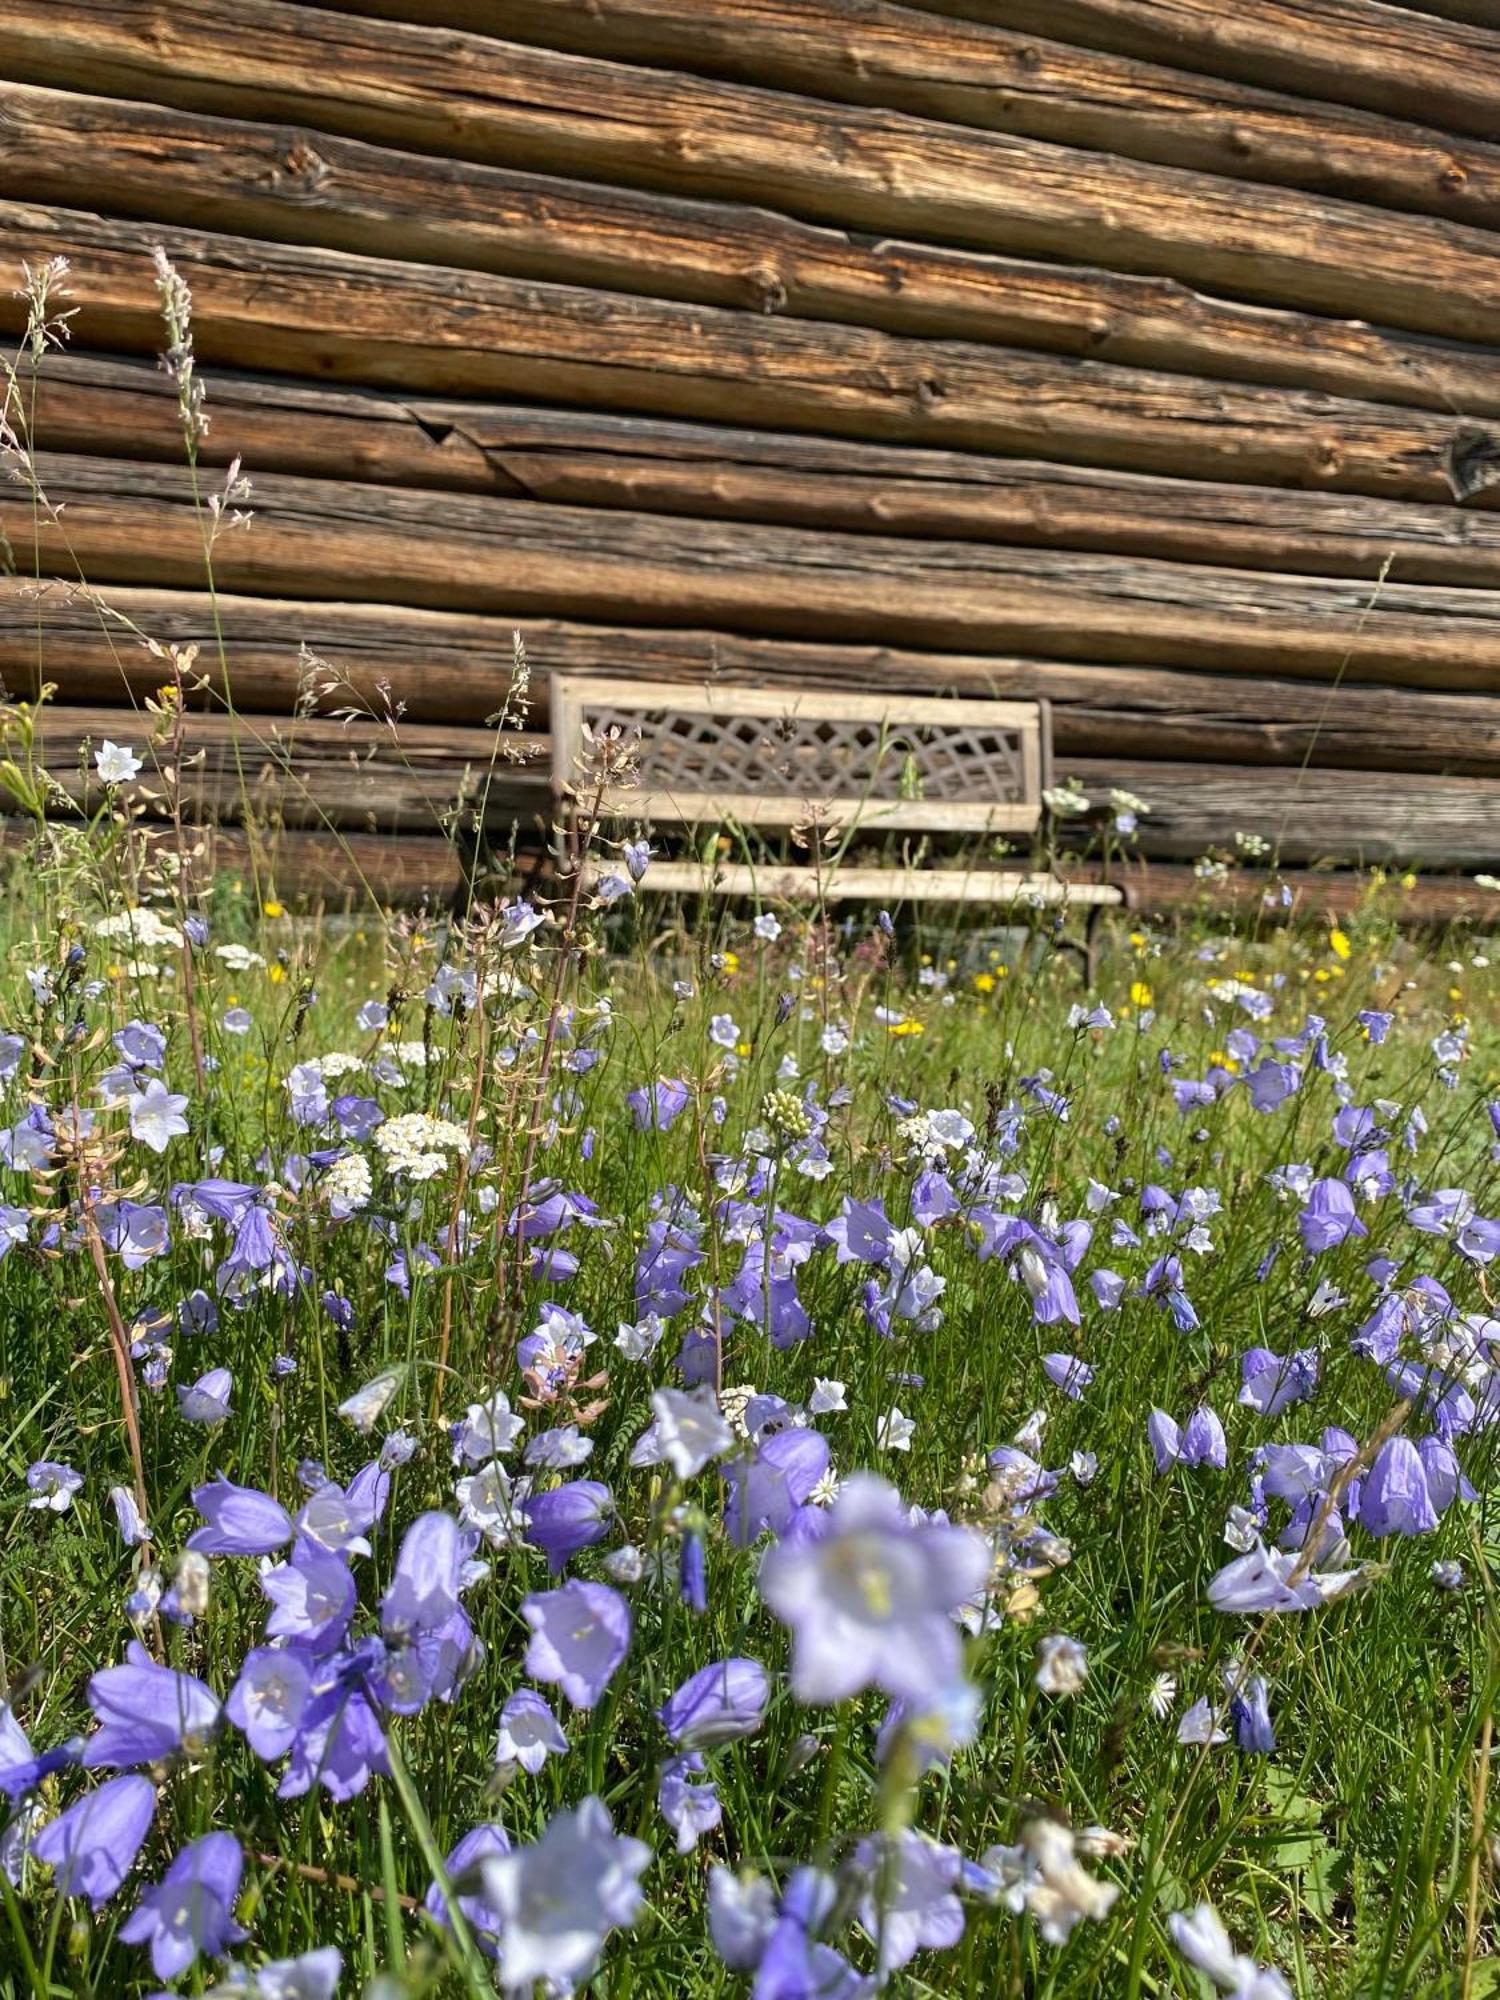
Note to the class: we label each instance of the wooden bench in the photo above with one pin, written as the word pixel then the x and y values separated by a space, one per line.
pixel 835 766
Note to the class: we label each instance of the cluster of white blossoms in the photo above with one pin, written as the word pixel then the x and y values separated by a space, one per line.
pixel 337 1063
pixel 418 1145
pixel 347 1185
pixel 1043 1874
pixel 929 1134
pixel 238 957
pixel 143 927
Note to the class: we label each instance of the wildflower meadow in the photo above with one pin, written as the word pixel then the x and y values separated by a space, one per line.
pixel 545 1452
pixel 584 1442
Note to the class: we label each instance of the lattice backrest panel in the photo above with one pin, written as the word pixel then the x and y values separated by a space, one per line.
pixel 764 754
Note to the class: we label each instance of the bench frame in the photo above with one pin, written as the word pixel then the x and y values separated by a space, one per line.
pixel 1011 738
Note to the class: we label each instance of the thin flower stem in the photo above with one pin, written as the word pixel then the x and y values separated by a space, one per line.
pixel 467 1951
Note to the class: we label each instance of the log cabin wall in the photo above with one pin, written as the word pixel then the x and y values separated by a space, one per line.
pixel 1139 354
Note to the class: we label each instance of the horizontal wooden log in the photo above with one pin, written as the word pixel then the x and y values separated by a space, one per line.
pixel 445 667
pixel 325 312
pixel 1376 820
pixel 328 538
pixel 1167 890
pixel 1387 58
pixel 1001 79
pixel 358 871
pixel 307 772
pixel 850 165
pixel 120 408
pixel 343 871
pixel 331 775
pixel 1478 13
pixel 298 185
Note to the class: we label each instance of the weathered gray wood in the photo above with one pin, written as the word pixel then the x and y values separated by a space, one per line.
pixel 324 312
pixel 1308 815
pixel 1319 895
pixel 1003 79
pixel 450 667
pixel 850 165
pixel 328 538
pixel 120 408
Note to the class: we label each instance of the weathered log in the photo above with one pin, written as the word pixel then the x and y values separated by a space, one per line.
pixel 328 538
pixel 357 871
pixel 999 79
pixel 325 312
pixel 298 185
pixel 125 406
pixel 846 164
pixel 1322 895
pixel 309 772
pixel 1373 819
pixel 1390 59
pixel 343 871
pixel 1478 13
pixel 444 667
pixel 330 775
pixel 119 408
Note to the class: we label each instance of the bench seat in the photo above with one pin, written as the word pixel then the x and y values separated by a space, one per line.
pixel 775 884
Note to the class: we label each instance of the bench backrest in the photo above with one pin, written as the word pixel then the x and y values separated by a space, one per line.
pixel 760 755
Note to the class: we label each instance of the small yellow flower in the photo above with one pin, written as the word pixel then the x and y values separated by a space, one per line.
pixel 273 908
pixel 276 974
pixel 1322 975
pixel 907 1028
pixel 1454 994
pixel 1140 993
pixel 1408 881
pixel 731 961
pixel 742 1048
pixel 984 982
pixel 1338 944
pixel 1138 939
